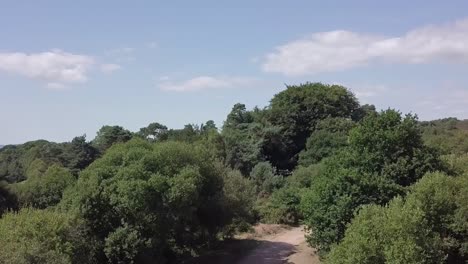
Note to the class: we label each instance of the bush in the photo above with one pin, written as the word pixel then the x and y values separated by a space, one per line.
pixel 385 155
pixel 265 178
pixel 161 199
pixel 239 201
pixel 429 226
pixel 38 236
pixel 330 135
pixel 44 190
pixel 303 177
pixel 456 164
pixel 8 199
pixel 282 207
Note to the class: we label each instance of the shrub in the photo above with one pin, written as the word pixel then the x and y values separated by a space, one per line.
pixel 39 236
pixel 44 190
pixel 282 207
pixel 385 155
pixel 429 226
pixel 265 178
pixel 239 201
pixel 161 199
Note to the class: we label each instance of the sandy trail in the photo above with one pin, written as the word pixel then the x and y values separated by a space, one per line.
pixel 270 244
pixel 288 246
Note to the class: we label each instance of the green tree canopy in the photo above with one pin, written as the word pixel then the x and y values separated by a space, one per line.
pixel 44 189
pixel 298 109
pixel 145 201
pixel 428 226
pixel 109 135
pixel 385 155
pixel 329 137
pixel 43 237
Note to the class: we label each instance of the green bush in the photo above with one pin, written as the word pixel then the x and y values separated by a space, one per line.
pixel 303 177
pixel 385 155
pixel 429 226
pixel 330 135
pixel 265 178
pixel 456 164
pixel 282 207
pixel 42 190
pixel 43 237
pixel 161 199
pixel 239 201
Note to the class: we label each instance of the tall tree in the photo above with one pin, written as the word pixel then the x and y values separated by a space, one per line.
pixel 109 135
pixel 297 110
pixel 243 139
pixel 385 155
pixel 154 131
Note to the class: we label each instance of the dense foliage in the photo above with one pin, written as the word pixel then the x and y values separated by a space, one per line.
pixel 40 236
pixel 385 155
pixel 371 187
pixel 428 226
pixel 144 201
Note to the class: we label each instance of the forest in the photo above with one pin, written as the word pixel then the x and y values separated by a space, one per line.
pixel 370 186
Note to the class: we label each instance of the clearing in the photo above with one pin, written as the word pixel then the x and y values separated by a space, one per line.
pixel 269 244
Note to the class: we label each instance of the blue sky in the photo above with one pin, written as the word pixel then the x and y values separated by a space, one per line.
pixel 69 67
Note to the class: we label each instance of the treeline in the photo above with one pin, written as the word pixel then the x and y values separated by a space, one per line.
pixel 371 187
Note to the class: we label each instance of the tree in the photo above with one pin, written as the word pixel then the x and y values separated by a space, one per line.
pixel 109 135
pixel 45 189
pixel 243 139
pixel 265 178
pixel 329 137
pixel 239 200
pixel 209 125
pixel 43 237
pixel 385 155
pixel 428 226
pixel 7 199
pixel 15 159
pixel 297 110
pixel 363 111
pixel 154 132
pixel 78 154
pixel 160 200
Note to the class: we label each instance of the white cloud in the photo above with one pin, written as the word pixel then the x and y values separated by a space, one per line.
pixel 55 66
pixel 204 82
pixel 340 49
pixel 110 68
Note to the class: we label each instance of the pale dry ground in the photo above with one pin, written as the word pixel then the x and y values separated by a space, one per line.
pixel 287 245
pixel 269 244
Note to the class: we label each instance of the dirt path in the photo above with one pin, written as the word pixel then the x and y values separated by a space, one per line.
pixel 288 246
pixel 270 244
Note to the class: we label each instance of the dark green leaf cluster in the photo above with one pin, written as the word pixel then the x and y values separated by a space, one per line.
pixel 385 155
pixel 145 201
pixel 428 226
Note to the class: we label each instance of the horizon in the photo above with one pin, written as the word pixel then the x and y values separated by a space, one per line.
pixel 130 64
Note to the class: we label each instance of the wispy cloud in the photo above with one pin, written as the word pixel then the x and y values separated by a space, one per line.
pixel 203 83
pixel 56 68
pixel 341 49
